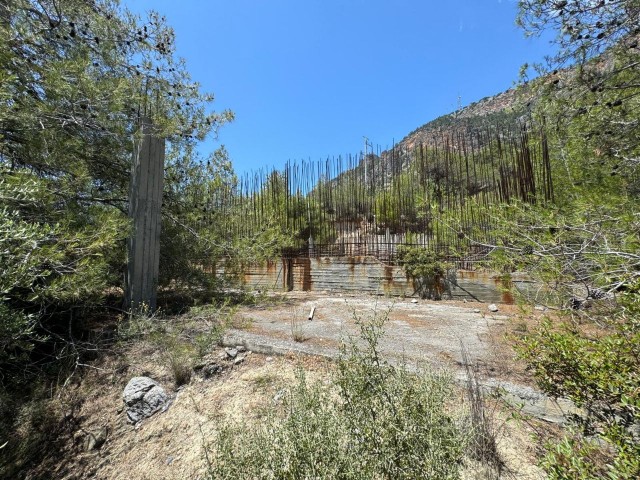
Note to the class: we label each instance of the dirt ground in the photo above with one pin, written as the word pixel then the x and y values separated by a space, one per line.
pixel 172 444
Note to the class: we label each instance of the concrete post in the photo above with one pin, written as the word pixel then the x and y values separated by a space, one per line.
pixel 145 202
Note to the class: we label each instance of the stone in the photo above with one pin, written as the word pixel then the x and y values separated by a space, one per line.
pixel 493 307
pixel 95 440
pixel 211 369
pixel 540 308
pixel 414 301
pixel 241 348
pixel 238 361
pixel 143 397
pixel 279 396
pixel 231 352
pixel 476 310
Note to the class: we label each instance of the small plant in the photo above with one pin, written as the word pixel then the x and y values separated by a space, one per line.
pixel 181 358
pixel 482 441
pixel 206 340
pixel 264 381
pixel 297 326
pixel 599 374
pixel 139 324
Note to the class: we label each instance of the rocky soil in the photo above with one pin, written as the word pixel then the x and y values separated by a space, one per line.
pixel 237 384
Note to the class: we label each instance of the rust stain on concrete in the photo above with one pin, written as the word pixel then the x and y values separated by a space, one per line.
pixel 467 274
pixel 302 274
pixel 504 286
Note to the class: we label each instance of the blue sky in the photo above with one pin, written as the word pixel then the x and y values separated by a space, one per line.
pixel 307 79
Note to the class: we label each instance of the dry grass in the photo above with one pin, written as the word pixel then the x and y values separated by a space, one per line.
pixel 171 444
pixel 484 431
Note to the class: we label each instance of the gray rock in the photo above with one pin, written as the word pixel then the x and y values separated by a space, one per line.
pixel 231 352
pixel 143 397
pixel 95 440
pixel 211 369
pixel 238 361
pixel 493 307
pixel 476 310
pixel 279 396
pixel 414 301
pixel 241 348
pixel 540 308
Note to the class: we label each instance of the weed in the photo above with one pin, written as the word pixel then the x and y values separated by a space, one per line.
pixel 482 441
pixel 138 325
pixel 520 328
pixel 181 365
pixel 297 325
pixel 183 340
pixel 263 381
pixel 206 340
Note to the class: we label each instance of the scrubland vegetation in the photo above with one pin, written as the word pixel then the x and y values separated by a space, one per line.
pixel 76 77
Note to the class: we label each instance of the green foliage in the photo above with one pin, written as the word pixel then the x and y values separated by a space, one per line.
pixel 398 419
pixel 428 269
pixel 585 247
pixel 591 109
pixel 376 421
pixel 395 210
pixel 75 79
pixel 192 240
pixel 599 374
pixel 584 29
pixel 49 259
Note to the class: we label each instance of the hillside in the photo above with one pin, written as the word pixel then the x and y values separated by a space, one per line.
pixel 500 112
pixel 500 109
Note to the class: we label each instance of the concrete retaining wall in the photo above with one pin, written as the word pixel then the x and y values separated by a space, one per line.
pixel 365 274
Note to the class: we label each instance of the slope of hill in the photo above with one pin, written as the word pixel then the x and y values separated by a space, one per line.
pixel 498 114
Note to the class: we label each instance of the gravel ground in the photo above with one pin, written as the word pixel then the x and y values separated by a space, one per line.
pixel 424 331
pixel 416 333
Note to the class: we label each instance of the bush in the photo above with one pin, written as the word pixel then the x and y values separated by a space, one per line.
pixel 598 372
pixel 50 263
pixel 374 421
pixel 428 269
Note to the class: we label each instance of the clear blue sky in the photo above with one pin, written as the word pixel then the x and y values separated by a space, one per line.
pixel 308 79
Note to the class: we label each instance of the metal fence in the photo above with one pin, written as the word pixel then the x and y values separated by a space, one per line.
pixel 437 194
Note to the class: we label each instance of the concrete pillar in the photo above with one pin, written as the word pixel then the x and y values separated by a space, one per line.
pixel 145 203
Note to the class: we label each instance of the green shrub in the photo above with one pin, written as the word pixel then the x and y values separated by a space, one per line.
pixel 599 373
pixel 428 269
pixel 374 421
